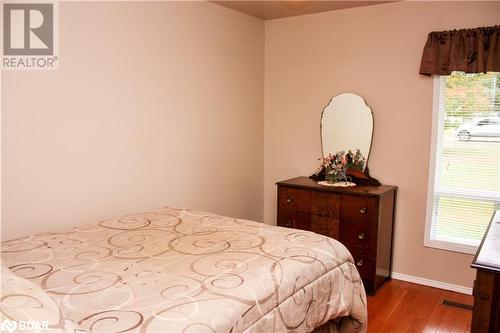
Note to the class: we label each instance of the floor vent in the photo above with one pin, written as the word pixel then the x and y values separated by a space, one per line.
pixel 457 305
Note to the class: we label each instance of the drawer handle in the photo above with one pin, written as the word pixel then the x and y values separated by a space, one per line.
pixel 363 210
pixel 359 262
pixel 288 223
pixel 289 200
pixel 361 235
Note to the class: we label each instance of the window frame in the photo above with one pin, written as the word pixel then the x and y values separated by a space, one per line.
pixel 434 164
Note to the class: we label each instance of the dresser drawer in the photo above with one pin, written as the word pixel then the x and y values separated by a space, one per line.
pixel 293 199
pixel 359 209
pixel 291 219
pixel 325 225
pixel 365 263
pixel 325 204
pixel 357 234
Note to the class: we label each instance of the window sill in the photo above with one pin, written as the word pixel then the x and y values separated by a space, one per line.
pixel 451 246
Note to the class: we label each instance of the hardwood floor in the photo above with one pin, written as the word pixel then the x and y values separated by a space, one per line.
pixel 406 307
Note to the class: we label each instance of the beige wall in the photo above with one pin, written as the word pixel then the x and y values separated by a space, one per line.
pixel 374 52
pixel 154 104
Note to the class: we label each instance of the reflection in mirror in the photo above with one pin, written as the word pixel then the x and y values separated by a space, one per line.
pixel 346 124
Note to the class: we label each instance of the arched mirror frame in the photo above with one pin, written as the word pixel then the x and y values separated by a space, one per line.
pixel 358 177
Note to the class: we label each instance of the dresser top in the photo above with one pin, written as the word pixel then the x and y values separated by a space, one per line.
pixel 308 183
pixel 487 257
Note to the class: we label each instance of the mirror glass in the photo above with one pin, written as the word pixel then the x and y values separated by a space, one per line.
pixel 346 124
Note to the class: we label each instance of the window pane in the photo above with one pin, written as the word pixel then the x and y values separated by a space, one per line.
pixel 460 220
pixel 470 151
pixel 470 165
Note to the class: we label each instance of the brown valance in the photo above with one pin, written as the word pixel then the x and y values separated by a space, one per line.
pixel 466 50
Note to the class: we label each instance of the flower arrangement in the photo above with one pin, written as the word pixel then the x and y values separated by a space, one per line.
pixel 356 160
pixel 335 166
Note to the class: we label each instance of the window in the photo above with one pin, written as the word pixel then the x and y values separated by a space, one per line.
pixel 464 177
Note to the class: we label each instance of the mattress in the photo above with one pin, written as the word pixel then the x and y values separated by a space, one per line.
pixel 179 270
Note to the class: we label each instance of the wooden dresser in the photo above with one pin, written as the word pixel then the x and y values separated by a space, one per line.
pixel 486 315
pixel 360 217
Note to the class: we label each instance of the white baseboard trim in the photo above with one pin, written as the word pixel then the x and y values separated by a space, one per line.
pixel 431 283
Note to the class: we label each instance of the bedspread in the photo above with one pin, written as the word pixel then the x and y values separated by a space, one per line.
pixel 179 270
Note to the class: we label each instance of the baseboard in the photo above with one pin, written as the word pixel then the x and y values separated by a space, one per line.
pixel 432 283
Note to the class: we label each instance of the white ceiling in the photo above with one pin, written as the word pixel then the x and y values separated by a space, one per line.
pixel 267 10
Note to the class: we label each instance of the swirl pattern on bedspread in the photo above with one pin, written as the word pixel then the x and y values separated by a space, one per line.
pixel 178 270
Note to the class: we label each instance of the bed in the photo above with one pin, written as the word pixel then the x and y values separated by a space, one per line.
pixel 179 270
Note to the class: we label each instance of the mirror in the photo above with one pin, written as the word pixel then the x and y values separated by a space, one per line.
pixel 347 124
